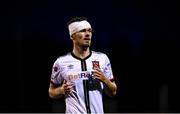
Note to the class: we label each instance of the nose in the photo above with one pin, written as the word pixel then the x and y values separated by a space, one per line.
pixel 87 35
pixel 88 31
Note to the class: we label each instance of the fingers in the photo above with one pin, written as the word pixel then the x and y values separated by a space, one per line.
pixel 67 86
pixel 98 70
pixel 99 74
pixel 64 81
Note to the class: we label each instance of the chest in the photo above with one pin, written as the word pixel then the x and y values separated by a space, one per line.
pixel 75 70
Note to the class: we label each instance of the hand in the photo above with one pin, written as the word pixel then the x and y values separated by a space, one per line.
pixel 67 87
pixel 99 75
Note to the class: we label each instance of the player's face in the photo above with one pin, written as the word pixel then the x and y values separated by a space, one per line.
pixel 83 37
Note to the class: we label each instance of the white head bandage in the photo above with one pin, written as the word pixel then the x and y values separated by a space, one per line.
pixel 77 26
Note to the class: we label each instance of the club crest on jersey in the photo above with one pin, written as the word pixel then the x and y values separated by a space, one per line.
pixel 95 64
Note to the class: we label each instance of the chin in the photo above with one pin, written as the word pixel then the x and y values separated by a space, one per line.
pixel 86 45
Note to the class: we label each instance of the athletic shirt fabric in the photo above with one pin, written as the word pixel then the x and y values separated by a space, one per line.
pixel 76 70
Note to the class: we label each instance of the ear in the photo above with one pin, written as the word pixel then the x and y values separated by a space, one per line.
pixel 72 37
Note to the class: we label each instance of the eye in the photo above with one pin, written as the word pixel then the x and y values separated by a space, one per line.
pixel 83 30
pixel 90 30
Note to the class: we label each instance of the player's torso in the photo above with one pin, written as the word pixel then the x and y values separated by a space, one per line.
pixel 76 70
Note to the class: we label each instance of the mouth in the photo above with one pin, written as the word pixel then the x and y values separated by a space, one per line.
pixel 86 38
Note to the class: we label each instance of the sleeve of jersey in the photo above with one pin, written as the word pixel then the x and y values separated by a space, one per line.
pixel 108 70
pixel 56 77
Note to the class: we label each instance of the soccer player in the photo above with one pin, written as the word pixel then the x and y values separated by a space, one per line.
pixel 83 74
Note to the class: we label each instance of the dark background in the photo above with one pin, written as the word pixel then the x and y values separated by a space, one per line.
pixel 138 36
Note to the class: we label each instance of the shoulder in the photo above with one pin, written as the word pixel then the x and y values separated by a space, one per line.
pixel 63 58
pixel 97 53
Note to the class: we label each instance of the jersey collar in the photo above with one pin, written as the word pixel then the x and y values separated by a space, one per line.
pixel 73 55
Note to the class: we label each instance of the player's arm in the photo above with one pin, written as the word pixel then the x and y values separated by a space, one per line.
pixel 109 86
pixel 57 92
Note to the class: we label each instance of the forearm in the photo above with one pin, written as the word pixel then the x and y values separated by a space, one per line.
pixel 110 87
pixel 56 92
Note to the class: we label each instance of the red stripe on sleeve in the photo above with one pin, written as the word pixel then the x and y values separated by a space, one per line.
pixel 112 79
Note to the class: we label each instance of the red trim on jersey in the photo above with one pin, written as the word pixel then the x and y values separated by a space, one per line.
pixel 112 79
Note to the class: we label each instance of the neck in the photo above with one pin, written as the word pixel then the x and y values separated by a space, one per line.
pixel 81 52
